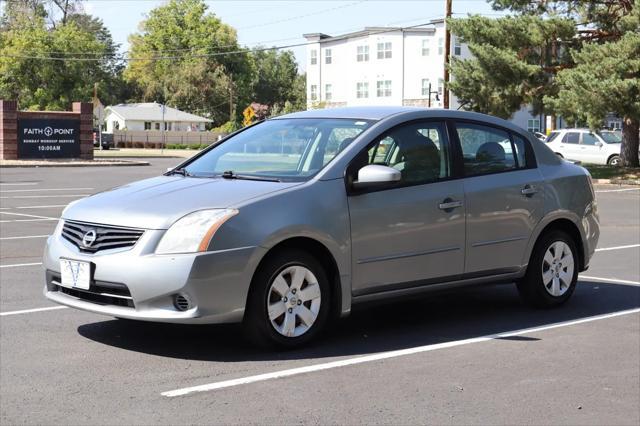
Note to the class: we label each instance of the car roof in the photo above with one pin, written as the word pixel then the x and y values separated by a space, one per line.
pixel 377 113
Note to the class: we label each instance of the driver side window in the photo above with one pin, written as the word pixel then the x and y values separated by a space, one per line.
pixel 420 151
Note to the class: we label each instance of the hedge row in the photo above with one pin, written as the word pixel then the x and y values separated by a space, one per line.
pixel 159 145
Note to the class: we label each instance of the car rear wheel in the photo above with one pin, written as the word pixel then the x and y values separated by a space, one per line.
pixel 614 160
pixel 552 272
pixel 288 302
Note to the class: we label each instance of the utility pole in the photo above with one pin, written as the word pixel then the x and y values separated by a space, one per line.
pixel 447 54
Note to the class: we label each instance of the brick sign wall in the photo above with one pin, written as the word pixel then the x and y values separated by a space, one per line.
pixel 46 134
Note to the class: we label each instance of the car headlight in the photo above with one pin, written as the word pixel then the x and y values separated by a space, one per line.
pixel 193 232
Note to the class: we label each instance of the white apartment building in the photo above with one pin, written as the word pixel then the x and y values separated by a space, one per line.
pixel 386 66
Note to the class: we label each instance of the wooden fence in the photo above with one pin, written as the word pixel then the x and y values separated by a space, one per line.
pixel 155 139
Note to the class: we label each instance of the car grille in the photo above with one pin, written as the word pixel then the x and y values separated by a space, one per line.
pixel 99 292
pixel 106 237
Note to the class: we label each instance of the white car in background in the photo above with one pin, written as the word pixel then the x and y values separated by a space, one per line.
pixel 585 146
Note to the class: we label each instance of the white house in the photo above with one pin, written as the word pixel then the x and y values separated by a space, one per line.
pixel 151 116
pixel 386 66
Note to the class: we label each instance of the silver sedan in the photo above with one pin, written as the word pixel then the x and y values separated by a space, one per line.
pixel 290 222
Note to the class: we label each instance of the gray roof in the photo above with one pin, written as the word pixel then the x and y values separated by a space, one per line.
pixel 152 111
pixel 377 113
pixel 323 38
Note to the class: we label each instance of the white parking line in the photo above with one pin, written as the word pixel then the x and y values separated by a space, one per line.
pixel 18 265
pixel 17 183
pixel 610 280
pixel 384 355
pixel 24 237
pixel 46 196
pixel 26 220
pixel 30 215
pixel 42 207
pixel 29 311
pixel 618 190
pixel 45 189
pixel 618 247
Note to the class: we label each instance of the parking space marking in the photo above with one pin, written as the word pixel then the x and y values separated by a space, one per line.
pixel 24 237
pixel 385 355
pixel 618 190
pixel 17 183
pixel 30 311
pixel 26 220
pixel 44 189
pixel 42 207
pixel 610 280
pixel 46 196
pixel 18 265
pixel 618 247
pixel 30 215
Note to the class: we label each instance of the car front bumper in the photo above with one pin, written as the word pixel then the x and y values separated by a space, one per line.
pixel 137 284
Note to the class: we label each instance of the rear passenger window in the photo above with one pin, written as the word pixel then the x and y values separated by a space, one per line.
pixel 571 137
pixel 486 150
pixel 519 145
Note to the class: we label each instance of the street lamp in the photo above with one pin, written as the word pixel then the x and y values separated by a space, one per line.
pixel 430 92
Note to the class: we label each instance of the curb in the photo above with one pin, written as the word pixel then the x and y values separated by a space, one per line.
pixel 98 163
pixel 616 181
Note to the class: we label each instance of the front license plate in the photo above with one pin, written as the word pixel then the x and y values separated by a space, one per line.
pixel 75 274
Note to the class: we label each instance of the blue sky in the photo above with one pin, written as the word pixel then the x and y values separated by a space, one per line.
pixel 273 23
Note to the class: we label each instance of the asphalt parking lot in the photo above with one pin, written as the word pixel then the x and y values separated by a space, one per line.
pixel 474 356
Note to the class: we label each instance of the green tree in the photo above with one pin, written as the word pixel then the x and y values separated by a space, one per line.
pixel 518 59
pixel 181 50
pixel 605 79
pixel 45 83
pixel 275 74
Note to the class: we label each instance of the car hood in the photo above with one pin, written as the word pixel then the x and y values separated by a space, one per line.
pixel 158 202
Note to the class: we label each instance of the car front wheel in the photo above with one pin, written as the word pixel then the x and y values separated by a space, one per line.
pixel 289 300
pixel 615 160
pixel 552 272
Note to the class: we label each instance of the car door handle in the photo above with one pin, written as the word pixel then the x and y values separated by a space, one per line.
pixel 528 190
pixel 448 204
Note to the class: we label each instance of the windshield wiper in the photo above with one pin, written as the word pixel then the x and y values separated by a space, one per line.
pixel 229 174
pixel 181 171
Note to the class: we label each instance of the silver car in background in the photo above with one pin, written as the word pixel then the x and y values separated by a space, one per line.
pixel 290 222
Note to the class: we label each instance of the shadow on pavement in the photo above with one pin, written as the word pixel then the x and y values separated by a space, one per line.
pixel 431 319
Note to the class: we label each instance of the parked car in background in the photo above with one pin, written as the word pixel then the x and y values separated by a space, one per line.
pixel 585 146
pixel 289 222
pixel 541 136
pixel 96 139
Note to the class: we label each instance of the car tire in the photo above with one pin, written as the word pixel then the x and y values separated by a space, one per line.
pixel 614 160
pixel 285 307
pixel 552 272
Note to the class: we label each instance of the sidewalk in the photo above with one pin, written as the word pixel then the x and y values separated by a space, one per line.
pixel 144 153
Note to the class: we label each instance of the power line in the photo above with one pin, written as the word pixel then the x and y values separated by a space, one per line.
pixel 207 55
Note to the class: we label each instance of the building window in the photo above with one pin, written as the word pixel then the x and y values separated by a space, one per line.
pixel 157 126
pixel 147 125
pixel 440 86
pixel 384 50
pixel 327 92
pixel 384 88
pixel 314 57
pixel 116 125
pixel 363 53
pixel 533 125
pixel 314 92
pixel 457 47
pixel 440 46
pixel 425 87
pixel 425 47
pixel 362 90
pixel 327 56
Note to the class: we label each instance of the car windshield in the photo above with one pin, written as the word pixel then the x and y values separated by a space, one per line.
pixel 611 137
pixel 283 149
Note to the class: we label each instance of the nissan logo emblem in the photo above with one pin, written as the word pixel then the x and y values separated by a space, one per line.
pixel 89 238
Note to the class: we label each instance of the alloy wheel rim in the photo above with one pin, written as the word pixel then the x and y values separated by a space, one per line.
pixel 293 301
pixel 615 161
pixel 557 268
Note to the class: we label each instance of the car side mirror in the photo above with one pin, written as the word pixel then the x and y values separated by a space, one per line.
pixel 375 175
pixel 599 144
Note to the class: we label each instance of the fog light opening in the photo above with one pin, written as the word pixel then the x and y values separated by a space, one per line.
pixel 182 302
